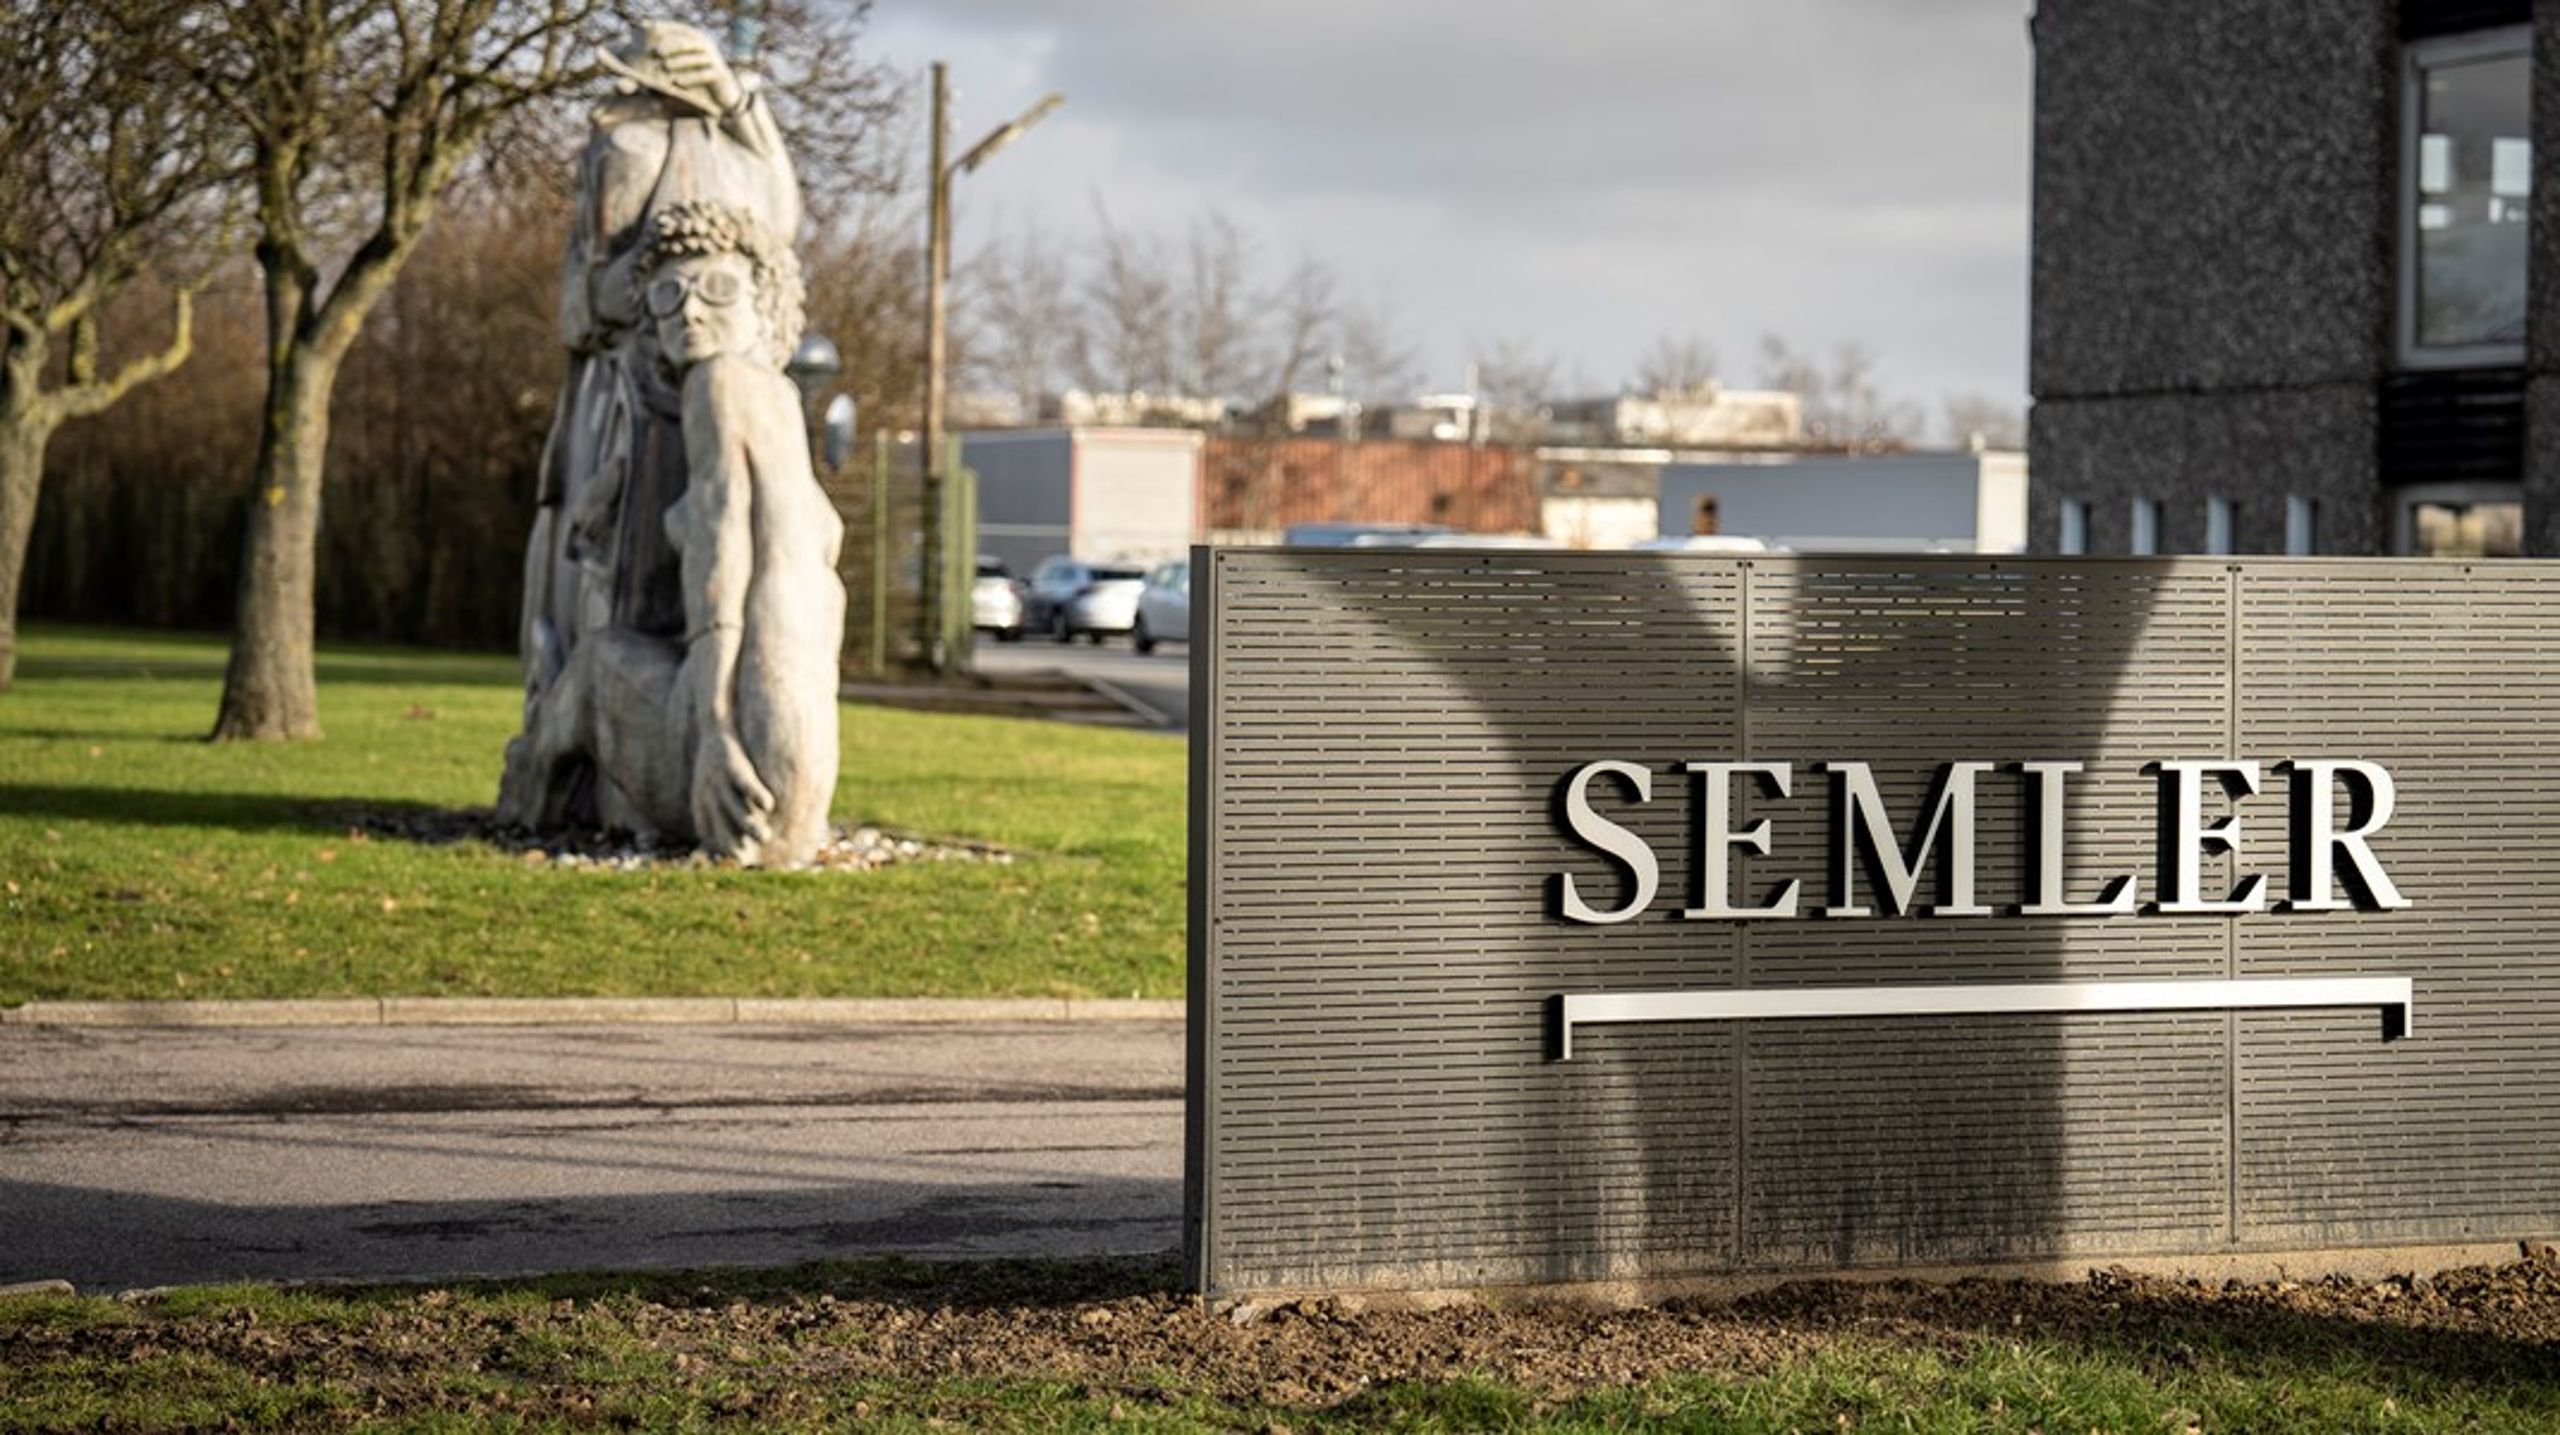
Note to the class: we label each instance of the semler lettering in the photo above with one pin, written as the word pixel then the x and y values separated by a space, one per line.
pixel 2325 853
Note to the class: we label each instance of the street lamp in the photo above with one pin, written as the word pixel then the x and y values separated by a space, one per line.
pixel 940 637
pixel 812 364
pixel 837 426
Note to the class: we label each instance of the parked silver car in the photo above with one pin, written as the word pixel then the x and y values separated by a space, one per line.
pixel 995 601
pixel 1108 605
pixel 1069 596
pixel 1164 607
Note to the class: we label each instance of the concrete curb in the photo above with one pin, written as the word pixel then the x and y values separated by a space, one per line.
pixel 1144 712
pixel 580 1011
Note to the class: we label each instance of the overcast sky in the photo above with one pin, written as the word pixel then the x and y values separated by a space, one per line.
pixel 1583 176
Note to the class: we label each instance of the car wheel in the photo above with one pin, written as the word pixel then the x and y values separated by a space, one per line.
pixel 1058 627
pixel 1141 639
pixel 1009 635
pixel 1096 636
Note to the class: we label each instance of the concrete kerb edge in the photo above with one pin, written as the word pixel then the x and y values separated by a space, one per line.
pixel 1145 712
pixel 579 1011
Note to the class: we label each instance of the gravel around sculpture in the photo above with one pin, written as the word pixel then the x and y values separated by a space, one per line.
pixel 844 849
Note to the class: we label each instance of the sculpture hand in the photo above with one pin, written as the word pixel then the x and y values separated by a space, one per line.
pixel 694 63
pixel 730 802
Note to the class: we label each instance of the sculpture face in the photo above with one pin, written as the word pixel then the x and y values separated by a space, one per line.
pixel 705 307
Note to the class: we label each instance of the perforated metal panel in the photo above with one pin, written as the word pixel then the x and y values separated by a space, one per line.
pixel 1379 739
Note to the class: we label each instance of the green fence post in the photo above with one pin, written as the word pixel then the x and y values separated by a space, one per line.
pixel 965 633
pixel 881 549
pixel 959 563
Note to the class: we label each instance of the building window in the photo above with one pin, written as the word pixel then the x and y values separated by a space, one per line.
pixel 2301 525
pixel 2466 161
pixel 2218 522
pixel 2074 538
pixel 2460 520
pixel 2146 527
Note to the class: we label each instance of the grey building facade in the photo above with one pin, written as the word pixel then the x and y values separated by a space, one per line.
pixel 2294 283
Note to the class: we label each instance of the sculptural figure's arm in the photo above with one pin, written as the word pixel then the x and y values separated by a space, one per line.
pixel 696 68
pixel 751 123
pixel 730 802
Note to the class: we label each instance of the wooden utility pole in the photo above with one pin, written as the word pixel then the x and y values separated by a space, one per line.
pixel 944 638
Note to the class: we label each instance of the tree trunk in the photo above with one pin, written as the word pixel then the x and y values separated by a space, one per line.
pixel 269 691
pixel 22 443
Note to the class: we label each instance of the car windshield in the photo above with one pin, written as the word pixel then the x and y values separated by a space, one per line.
pixel 1109 572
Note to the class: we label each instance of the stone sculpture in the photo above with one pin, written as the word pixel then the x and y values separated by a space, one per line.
pixel 682 611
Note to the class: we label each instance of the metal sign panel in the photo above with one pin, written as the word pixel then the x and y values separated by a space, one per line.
pixel 1915 1018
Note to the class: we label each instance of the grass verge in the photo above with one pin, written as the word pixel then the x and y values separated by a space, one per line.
pixel 1094 1344
pixel 137 861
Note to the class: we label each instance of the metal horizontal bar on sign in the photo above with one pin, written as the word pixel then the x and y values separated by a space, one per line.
pixel 2393 996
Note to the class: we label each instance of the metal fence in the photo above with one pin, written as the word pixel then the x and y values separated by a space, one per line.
pixel 880 497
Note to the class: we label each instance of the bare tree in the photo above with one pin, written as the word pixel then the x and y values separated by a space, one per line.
pixel 1379 362
pixel 1221 350
pixel 1020 314
pixel 1517 385
pixel 1296 314
pixel 359 114
pixel 1980 419
pixel 838 107
pixel 1677 365
pixel 107 174
pixel 1124 343
pixel 1194 325
pixel 1194 317
pixel 1843 406
pixel 1299 307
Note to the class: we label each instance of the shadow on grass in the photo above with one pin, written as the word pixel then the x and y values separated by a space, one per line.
pixel 93 735
pixel 163 807
pixel 2263 1342
pixel 2346 1331
pixel 354 670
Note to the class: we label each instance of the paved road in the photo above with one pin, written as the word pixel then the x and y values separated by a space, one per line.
pixel 1159 681
pixel 135 1158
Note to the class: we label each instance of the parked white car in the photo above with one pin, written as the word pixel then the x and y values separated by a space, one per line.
pixel 1104 603
pixel 995 601
pixel 1355 535
pixel 1523 541
pixel 1704 543
pixel 1164 607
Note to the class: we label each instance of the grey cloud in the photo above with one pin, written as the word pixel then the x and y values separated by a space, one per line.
pixel 1573 99
pixel 1855 147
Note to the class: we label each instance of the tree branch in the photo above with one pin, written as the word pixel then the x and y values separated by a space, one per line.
pixel 85 399
pixel 84 349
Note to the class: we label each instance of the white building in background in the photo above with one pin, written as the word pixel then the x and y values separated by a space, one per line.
pixel 1599 497
pixel 1094 493
pixel 1078 408
pixel 1898 503
pixel 1449 418
pixel 1297 413
pixel 1706 416
pixel 984 409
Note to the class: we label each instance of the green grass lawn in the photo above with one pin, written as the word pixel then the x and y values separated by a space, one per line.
pixel 137 861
